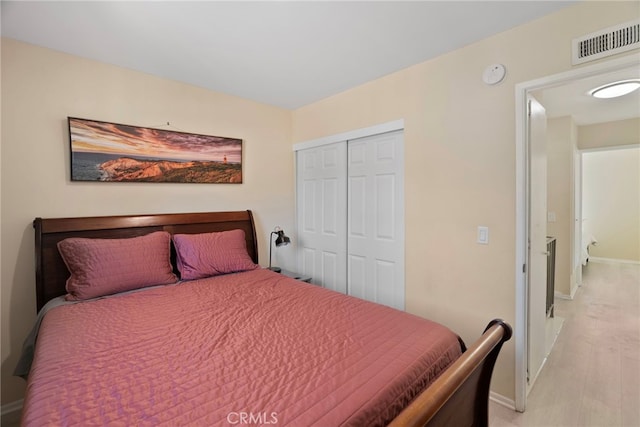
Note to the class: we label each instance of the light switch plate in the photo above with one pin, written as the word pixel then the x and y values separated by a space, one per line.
pixel 483 235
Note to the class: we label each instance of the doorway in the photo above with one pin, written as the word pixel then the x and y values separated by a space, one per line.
pixel 525 339
pixel 611 178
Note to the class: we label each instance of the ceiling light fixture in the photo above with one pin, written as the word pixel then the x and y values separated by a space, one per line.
pixel 615 89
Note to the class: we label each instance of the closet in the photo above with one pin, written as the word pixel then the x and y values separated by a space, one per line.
pixel 350 215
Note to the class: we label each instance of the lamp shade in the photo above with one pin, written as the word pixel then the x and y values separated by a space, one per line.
pixel 282 239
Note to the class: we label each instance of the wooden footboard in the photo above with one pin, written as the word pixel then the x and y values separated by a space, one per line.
pixel 460 396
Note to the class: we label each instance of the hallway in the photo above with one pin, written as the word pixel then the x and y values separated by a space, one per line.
pixel 592 376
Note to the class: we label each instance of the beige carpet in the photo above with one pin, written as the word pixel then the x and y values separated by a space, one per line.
pixel 592 376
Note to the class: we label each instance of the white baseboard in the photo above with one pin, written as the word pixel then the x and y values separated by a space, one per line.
pixel 501 400
pixel 11 407
pixel 613 260
pixel 565 296
pixel 572 294
pixel 562 296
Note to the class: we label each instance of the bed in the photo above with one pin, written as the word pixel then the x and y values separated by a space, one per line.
pixel 229 343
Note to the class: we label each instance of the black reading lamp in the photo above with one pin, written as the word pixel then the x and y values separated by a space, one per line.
pixel 281 240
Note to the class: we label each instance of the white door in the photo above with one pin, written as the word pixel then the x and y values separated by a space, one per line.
pixel 537 230
pixel 322 194
pixel 375 247
pixel 577 231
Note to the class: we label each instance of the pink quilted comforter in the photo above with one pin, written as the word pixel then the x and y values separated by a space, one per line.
pixel 247 348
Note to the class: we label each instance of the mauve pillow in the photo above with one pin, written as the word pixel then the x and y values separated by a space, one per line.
pixel 211 254
pixel 106 266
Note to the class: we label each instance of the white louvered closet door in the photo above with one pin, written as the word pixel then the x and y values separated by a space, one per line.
pixel 375 226
pixel 322 214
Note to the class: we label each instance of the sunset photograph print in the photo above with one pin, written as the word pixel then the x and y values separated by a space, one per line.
pixel 111 152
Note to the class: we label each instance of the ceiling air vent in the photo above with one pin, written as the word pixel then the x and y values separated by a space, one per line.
pixel 607 42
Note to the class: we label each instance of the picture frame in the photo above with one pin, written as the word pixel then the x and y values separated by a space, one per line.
pixel 112 152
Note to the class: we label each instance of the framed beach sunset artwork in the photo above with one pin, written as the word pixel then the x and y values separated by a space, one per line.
pixel 112 152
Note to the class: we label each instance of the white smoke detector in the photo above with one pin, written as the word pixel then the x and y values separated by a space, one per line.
pixel 494 74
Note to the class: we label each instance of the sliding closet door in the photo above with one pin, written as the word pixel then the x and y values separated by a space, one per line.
pixel 375 245
pixel 322 214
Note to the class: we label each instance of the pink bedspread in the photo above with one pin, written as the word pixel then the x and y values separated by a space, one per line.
pixel 247 348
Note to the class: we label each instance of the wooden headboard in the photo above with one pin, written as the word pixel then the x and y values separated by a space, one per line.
pixel 52 273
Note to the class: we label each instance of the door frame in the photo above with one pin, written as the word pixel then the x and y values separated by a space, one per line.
pixel 522 209
pixel 353 134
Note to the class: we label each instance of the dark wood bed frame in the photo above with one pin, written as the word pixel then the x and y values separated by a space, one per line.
pixel 459 397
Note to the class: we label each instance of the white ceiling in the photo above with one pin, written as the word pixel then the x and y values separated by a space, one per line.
pixel 290 54
pixel 573 99
pixel 287 54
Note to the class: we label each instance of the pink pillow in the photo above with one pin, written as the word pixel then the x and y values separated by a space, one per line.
pixel 212 254
pixel 106 266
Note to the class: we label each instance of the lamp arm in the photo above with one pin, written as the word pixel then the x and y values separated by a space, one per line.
pixel 271 246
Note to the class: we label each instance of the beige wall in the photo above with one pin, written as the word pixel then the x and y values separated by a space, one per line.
pixel 561 145
pixel 563 139
pixel 610 134
pixel 460 164
pixel 611 202
pixel 40 88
